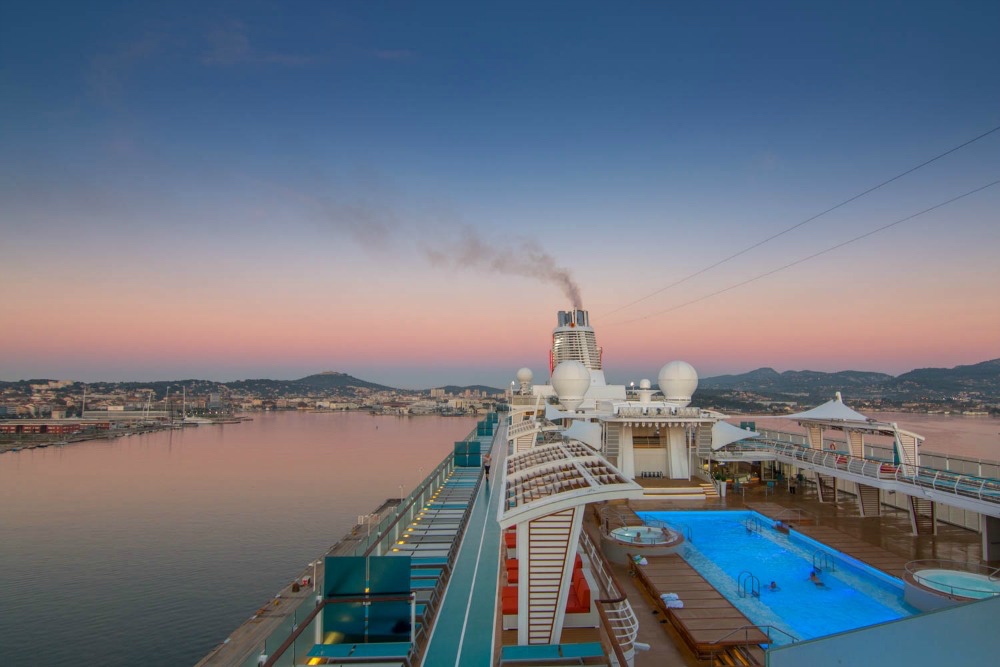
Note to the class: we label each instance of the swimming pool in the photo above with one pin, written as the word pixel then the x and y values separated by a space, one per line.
pixel 722 549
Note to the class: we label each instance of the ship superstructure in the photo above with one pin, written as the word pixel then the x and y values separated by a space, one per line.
pixel 476 569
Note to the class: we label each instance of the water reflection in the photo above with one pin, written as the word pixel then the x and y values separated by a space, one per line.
pixel 154 547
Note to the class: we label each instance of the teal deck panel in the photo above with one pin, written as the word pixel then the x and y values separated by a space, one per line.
pixel 463 632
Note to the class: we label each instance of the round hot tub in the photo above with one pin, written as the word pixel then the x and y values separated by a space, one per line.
pixel 624 542
pixel 933 584
pixel 647 535
pixel 962 584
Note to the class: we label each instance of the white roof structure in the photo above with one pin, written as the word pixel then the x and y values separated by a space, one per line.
pixel 834 410
pixel 559 475
pixel 724 433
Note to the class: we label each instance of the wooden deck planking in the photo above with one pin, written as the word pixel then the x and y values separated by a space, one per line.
pixel 707 622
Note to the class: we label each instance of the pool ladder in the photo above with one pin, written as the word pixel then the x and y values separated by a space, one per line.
pixel 748 584
pixel 753 524
pixel 823 561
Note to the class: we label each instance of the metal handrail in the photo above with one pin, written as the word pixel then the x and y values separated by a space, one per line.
pixel 796 513
pixel 747 580
pixel 981 488
pixel 765 629
pixel 824 558
pixel 991 574
pixel 625 627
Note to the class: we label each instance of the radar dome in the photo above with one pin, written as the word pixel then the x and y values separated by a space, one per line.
pixel 524 376
pixel 678 380
pixel 645 384
pixel 571 380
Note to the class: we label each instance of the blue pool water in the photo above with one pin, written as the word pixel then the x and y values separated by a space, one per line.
pixel 722 548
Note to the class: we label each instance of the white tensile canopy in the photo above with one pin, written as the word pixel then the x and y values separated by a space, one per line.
pixel 724 434
pixel 831 410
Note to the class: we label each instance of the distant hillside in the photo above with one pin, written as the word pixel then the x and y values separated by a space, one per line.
pixel 334 380
pixel 797 383
pixel 982 379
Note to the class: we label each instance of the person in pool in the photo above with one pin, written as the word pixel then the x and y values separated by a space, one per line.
pixel 813 577
pixel 774 586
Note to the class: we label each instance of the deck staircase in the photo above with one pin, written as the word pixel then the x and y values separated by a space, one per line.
pixel 922 516
pixel 869 500
pixel 826 488
pixel 612 444
pixel 739 656
pixel 703 443
pixel 709 490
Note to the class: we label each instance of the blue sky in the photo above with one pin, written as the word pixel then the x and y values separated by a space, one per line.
pixel 230 157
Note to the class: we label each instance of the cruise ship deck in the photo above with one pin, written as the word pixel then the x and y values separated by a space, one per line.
pixel 543 563
pixel 453 545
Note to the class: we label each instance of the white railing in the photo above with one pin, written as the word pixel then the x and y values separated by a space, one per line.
pixel 621 618
pixel 983 489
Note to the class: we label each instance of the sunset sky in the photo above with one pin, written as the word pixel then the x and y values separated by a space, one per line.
pixel 395 189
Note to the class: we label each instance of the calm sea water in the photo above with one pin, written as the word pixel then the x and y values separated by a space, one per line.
pixel 152 549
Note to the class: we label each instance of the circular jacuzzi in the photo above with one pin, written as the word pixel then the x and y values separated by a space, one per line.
pixel 643 535
pixel 623 543
pixel 933 584
pixel 962 584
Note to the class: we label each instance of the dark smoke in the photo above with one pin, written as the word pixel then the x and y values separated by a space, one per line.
pixel 527 260
pixel 373 226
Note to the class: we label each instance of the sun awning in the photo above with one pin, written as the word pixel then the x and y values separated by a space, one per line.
pixel 724 434
pixel 831 410
pixel 588 433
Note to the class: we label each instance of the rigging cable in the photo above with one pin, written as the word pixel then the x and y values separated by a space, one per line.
pixel 804 222
pixel 812 256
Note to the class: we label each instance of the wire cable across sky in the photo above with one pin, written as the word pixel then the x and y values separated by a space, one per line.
pixel 812 256
pixel 804 222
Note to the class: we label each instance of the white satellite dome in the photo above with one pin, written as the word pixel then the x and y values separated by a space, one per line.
pixel 678 381
pixel 645 384
pixel 571 380
pixel 524 376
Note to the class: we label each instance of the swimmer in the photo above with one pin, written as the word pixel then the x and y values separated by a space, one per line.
pixel 774 586
pixel 813 577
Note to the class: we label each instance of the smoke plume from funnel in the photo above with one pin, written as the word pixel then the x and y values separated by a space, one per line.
pixel 527 260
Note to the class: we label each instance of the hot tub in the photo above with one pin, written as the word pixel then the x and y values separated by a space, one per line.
pixel 935 584
pixel 962 584
pixel 643 535
pixel 622 543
